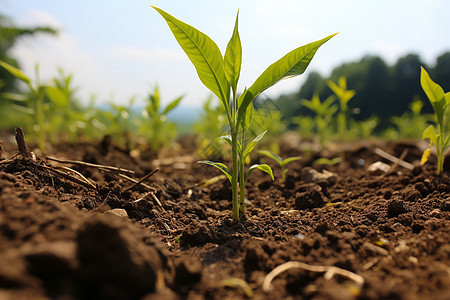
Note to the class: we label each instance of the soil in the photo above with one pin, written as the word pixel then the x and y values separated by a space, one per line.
pixel 66 239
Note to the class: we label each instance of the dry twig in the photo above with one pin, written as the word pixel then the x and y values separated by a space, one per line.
pixel 80 175
pixel 329 271
pixel 82 163
pixel 393 159
pixel 69 177
pixel 22 145
pixel 135 181
pixel 141 180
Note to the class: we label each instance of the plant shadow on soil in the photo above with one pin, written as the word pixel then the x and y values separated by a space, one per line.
pixel 63 240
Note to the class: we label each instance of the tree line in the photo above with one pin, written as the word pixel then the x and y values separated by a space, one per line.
pixel 381 90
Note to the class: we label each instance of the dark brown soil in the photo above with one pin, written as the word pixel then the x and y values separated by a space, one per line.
pixel 61 239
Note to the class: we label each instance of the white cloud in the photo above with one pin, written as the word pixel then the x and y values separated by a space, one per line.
pixel 146 55
pixel 38 17
pixel 53 52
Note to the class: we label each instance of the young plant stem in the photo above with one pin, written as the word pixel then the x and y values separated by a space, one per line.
pixel 242 177
pixel 235 171
pixel 439 149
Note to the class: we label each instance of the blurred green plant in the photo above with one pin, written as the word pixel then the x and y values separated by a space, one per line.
pixel 344 96
pixel 62 111
pixel 211 124
pixel 324 112
pixel 154 124
pixel 33 104
pixel 410 123
pixel 280 161
pixel 362 128
pixel 440 101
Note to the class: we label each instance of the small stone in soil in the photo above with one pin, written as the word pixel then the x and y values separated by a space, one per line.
pixel 378 168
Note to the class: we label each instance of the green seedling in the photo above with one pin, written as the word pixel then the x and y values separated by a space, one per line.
pixel 344 96
pixel 440 101
pixel 220 74
pixel 411 123
pixel 281 162
pixel 305 126
pixel 324 112
pixel 155 124
pixel 328 161
pixel 64 114
pixel 37 97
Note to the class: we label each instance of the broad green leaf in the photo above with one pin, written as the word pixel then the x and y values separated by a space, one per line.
pixel 292 64
pixel 204 55
pixel 57 96
pixel 263 167
pixel 430 134
pixel 435 94
pixel 172 105
pixel 272 155
pixel 16 72
pixel 433 90
pixel 219 166
pixel 290 159
pixel 233 57
pixel 250 146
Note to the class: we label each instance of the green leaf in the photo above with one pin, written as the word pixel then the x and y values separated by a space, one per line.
pixel 433 90
pixel 430 133
pixel 263 167
pixel 172 105
pixel 233 57
pixel 57 96
pixel 204 55
pixel 219 166
pixel 15 72
pixel 272 155
pixel 290 159
pixel 250 146
pixel 435 94
pixel 292 64
pixel 228 139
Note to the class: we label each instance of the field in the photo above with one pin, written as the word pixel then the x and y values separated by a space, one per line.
pixel 64 239
pixel 307 196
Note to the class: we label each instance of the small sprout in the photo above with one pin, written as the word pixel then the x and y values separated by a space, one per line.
pixel 281 162
pixel 324 112
pixel 344 95
pixel 440 101
pixel 328 161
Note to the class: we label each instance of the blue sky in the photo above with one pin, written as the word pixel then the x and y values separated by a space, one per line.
pixel 120 49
